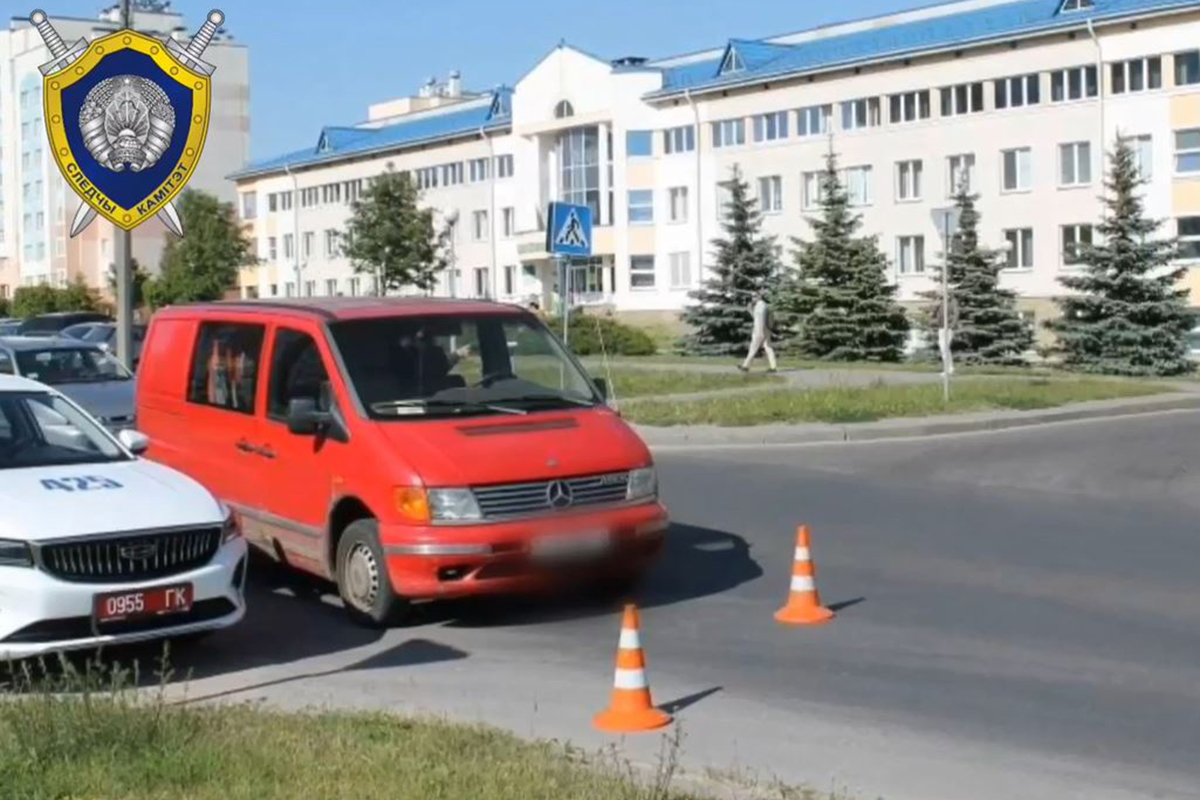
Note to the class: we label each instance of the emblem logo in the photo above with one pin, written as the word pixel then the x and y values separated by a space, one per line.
pixel 139 552
pixel 559 494
pixel 127 116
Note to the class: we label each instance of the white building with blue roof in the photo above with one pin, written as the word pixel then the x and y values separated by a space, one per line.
pixel 1019 97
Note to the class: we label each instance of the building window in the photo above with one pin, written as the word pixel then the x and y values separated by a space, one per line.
pixel 1187 68
pixel 859 114
pixel 811 190
pixel 639 143
pixel 353 189
pixel 508 216
pixel 814 120
pixel 1143 154
pixel 1074 164
pixel 678 196
pixel 452 174
pixel 564 109
pixel 641 272
pixel 960 174
pixel 1074 84
pixel 273 201
pixel 1189 238
pixel 249 205
pixel 504 166
pixel 858 185
pixel 479 226
pixel 1187 152
pixel 477 170
pixel 427 178
pixel 909 107
pixel 331 287
pixel 331 242
pixel 310 197
pixel 289 289
pixel 908 180
pixel 510 280
pixel 724 197
pixel 272 248
pixel 1020 248
pixel 770 194
pixel 679 140
pixel 910 255
pixel 289 246
pixel 965 98
pixel 579 176
pixel 1137 75
pixel 1022 90
pixel 770 127
pixel 681 270
pixel 353 287
pixel 307 240
pixel 1018 170
pixel 1075 238
pixel 729 133
pixel 481 282
pixel 641 206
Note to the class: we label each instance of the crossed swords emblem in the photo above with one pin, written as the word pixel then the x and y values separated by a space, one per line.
pixel 63 56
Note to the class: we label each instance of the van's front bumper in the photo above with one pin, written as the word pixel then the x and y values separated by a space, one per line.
pixel 440 561
pixel 40 613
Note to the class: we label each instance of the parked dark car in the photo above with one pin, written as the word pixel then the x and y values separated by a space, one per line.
pixel 54 323
pixel 9 325
pixel 104 334
pixel 82 371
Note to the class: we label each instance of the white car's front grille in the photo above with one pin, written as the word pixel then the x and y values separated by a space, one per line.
pixel 130 557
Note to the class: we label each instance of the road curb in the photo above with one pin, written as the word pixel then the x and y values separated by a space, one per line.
pixel 815 433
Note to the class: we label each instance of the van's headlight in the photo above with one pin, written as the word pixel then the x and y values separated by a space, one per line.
pixel 643 483
pixel 453 505
pixel 231 528
pixel 15 554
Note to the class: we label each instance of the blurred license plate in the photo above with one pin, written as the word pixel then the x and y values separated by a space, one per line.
pixel 579 544
pixel 142 603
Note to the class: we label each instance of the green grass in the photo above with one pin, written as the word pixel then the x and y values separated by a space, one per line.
pixel 635 382
pixel 866 404
pixel 791 362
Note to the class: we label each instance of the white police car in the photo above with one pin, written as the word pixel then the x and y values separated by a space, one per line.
pixel 97 545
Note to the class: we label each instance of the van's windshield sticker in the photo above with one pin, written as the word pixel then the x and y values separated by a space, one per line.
pixel 85 483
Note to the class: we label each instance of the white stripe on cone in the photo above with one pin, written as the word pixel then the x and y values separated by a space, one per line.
pixel 630 639
pixel 802 583
pixel 630 679
pixel 802 554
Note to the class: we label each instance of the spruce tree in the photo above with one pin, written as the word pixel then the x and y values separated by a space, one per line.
pixel 988 329
pixel 746 262
pixel 840 293
pixel 1129 316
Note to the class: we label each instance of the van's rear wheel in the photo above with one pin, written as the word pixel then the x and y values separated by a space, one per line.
pixel 362 577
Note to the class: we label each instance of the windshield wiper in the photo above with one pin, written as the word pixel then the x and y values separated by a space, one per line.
pixel 548 398
pixel 463 405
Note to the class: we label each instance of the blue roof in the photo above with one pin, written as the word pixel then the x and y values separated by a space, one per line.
pixel 339 142
pixel 766 59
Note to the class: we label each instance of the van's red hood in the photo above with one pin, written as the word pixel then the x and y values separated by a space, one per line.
pixel 480 450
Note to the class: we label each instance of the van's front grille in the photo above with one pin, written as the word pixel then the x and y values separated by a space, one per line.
pixel 130 557
pixel 539 497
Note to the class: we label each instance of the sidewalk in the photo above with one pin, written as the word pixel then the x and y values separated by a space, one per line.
pixel 683 436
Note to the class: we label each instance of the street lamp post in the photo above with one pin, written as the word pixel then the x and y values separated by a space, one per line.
pixel 946 220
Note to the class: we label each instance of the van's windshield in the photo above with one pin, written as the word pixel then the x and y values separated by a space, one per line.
pixel 443 365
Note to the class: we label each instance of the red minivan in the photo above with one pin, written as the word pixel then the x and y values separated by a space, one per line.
pixel 408 449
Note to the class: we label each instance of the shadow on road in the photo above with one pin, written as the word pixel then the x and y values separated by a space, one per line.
pixel 844 604
pixel 675 706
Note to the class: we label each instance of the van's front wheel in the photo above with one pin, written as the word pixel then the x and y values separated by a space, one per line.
pixel 362 577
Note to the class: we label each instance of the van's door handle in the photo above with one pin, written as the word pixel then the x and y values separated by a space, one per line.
pixel 266 452
pixel 245 446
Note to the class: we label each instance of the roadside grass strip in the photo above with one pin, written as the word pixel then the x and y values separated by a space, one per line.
pixel 881 401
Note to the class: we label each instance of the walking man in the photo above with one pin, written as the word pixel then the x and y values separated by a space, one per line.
pixel 760 337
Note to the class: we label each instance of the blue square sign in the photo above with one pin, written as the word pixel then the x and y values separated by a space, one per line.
pixel 570 230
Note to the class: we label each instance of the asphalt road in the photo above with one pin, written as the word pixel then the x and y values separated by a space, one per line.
pixel 1019 617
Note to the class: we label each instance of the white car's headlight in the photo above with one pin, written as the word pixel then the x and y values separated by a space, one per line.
pixel 231 528
pixel 15 554
pixel 643 483
pixel 453 505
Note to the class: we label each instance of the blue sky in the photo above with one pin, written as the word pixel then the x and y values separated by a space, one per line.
pixel 314 63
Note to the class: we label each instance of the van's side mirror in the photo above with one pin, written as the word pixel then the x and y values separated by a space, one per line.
pixel 135 442
pixel 601 387
pixel 305 419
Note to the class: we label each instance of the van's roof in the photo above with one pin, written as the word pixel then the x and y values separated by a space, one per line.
pixel 332 309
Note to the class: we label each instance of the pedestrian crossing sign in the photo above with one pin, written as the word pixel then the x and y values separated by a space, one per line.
pixel 570 230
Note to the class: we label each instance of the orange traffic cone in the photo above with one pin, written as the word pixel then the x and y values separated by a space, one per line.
pixel 631 710
pixel 803 605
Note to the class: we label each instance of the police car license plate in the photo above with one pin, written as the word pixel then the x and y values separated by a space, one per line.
pixel 143 603
pixel 578 544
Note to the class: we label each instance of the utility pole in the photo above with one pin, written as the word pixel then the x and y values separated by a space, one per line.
pixel 122 254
